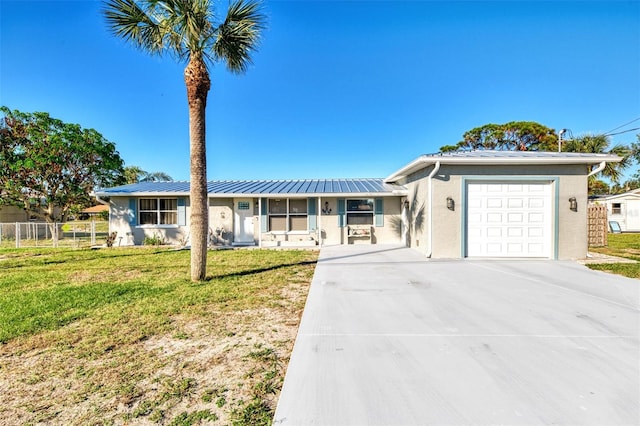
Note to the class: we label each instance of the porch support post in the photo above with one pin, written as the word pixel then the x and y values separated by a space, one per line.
pixel 319 221
pixel 260 222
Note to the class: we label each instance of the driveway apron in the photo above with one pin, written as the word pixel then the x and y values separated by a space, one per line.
pixel 388 337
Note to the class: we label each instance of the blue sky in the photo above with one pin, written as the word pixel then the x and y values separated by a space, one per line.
pixel 338 88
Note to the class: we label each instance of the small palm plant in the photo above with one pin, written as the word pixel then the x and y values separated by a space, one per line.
pixel 186 29
pixel 412 219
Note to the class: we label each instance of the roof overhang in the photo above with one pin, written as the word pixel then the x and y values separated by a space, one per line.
pixel 633 194
pixel 395 193
pixel 494 158
pixel 301 188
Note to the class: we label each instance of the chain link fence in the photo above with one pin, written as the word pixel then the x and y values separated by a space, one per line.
pixel 41 234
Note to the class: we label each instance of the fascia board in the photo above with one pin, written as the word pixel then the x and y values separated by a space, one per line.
pixel 394 193
pixel 619 196
pixel 428 160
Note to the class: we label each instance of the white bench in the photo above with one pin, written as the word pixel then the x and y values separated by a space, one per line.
pixel 359 232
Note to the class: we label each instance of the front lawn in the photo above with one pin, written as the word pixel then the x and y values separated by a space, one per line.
pixel 620 245
pixel 117 336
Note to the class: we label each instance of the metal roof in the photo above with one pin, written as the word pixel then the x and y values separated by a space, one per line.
pixel 238 188
pixel 492 157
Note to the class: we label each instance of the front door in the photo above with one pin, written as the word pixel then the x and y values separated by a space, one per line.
pixel 243 221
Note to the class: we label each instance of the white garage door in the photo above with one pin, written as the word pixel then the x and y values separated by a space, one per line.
pixel 509 219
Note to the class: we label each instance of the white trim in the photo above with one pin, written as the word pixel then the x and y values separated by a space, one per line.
pixel 149 226
pixel 551 219
pixel 492 158
pixel 394 193
pixel 634 193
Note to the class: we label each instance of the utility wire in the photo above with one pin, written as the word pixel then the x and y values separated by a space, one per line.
pixel 624 131
pixel 626 124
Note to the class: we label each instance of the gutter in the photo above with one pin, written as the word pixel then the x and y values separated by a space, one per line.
pixel 490 158
pixel 100 200
pixel 414 165
pixel 430 224
pixel 598 169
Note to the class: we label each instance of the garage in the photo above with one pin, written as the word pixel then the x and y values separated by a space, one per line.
pixel 509 219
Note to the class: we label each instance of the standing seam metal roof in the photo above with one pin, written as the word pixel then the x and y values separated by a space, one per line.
pixel 263 187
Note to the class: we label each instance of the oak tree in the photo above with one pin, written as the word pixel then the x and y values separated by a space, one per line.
pixel 49 167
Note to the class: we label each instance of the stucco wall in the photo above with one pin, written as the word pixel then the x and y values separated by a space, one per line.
pixel 447 229
pixel 221 219
pixel 128 234
pixel 332 233
pixel 388 234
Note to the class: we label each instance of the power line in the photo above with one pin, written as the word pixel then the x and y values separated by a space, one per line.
pixel 624 131
pixel 626 124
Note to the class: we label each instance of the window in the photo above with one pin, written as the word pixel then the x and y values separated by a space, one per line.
pixel 360 212
pixel 616 208
pixel 287 214
pixel 158 211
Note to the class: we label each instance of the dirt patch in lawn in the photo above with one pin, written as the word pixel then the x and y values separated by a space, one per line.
pixel 225 367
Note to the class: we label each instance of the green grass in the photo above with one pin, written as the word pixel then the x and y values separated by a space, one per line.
pixel 46 289
pixel 620 245
pixel 84 317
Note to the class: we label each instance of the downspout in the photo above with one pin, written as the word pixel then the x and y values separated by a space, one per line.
pixel 100 200
pixel 598 169
pixel 105 203
pixel 436 167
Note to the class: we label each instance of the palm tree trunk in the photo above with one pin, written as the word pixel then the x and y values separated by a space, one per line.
pixel 197 81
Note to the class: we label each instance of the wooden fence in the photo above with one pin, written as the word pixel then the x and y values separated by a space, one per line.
pixel 598 225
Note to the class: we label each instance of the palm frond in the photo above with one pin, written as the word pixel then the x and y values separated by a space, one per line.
pixel 185 29
pixel 129 21
pixel 396 225
pixel 189 26
pixel 237 37
pixel 419 219
pixel 413 200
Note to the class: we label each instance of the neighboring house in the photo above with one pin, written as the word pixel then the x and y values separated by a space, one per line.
pixel 93 211
pixel 476 204
pixel 12 214
pixel 624 209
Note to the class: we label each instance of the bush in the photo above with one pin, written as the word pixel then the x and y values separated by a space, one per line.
pixel 156 240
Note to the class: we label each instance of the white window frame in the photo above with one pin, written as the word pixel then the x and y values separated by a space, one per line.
pixel 288 215
pixel 613 208
pixel 158 213
pixel 359 212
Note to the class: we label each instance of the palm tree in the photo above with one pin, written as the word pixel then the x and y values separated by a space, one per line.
pixel 186 30
pixel 597 144
pixel 134 174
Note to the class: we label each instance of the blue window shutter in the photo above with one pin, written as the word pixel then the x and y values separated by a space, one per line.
pixel 182 212
pixel 312 212
pixel 379 211
pixel 133 213
pixel 263 215
pixel 341 213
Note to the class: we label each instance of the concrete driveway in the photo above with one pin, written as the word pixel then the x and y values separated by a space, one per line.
pixel 390 338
